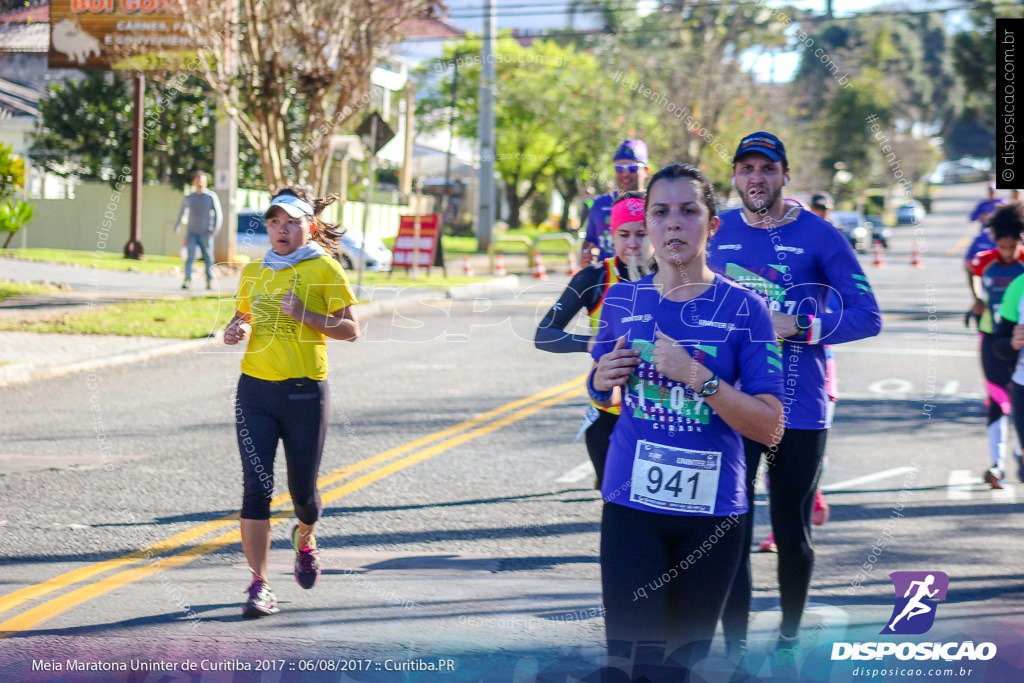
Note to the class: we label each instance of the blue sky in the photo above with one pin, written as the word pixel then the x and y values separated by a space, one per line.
pixel 521 14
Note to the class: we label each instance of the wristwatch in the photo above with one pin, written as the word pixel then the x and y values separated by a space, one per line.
pixel 803 323
pixel 709 388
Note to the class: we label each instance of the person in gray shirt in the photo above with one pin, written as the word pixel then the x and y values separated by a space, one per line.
pixel 204 220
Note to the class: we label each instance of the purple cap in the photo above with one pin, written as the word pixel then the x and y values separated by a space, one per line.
pixel 632 150
pixel 765 143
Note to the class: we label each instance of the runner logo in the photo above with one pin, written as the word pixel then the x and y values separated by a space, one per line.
pixel 917 594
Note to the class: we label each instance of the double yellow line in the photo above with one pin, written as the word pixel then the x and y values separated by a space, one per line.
pixel 143 563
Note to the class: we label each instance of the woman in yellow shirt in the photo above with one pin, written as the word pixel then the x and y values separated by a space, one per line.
pixel 288 305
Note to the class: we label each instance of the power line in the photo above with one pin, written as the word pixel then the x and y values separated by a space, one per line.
pixel 580 33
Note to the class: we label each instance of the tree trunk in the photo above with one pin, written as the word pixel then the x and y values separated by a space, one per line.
pixel 514 205
pixel 10 236
pixel 567 200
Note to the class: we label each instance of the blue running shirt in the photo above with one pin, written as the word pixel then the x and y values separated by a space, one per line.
pixel 670 453
pixel 795 267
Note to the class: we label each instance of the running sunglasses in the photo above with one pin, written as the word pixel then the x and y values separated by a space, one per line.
pixel 632 168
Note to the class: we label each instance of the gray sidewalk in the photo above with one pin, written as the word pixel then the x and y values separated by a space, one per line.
pixel 26 356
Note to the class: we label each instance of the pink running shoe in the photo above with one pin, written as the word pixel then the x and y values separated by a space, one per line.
pixel 820 514
pixel 768 545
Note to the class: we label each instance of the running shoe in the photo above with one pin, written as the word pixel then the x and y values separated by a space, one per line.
pixel 784 659
pixel 993 477
pixel 262 601
pixel 768 545
pixel 1020 466
pixel 307 561
pixel 820 514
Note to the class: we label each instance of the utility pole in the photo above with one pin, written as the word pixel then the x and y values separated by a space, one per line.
pixel 485 130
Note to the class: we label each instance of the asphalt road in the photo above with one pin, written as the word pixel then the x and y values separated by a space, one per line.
pixel 460 520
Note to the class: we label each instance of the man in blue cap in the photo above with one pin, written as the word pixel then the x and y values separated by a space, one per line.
pixel 630 174
pixel 794 259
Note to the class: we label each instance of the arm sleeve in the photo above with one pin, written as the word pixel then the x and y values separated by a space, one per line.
pixel 218 215
pixel 760 362
pixel 337 292
pixel 181 213
pixel 593 229
pixel 243 297
pixel 551 335
pixel 858 316
pixel 977 211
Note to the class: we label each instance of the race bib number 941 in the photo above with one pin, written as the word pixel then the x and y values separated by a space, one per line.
pixel 676 479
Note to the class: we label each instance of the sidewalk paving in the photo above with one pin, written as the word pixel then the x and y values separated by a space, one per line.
pixel 26 356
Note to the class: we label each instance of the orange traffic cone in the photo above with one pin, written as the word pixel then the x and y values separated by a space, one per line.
pixel 879 261
pixel 915 257
pixel 467 267
pixel 538 268
pixel 573 266
pixel 499 265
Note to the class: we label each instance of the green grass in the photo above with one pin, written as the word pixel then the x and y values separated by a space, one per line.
pixel 9 288
pixel 167 318
pixel 459 245
pixel 94 259
pixel 400 279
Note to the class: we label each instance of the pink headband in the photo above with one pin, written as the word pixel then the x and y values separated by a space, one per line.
pixel 627 211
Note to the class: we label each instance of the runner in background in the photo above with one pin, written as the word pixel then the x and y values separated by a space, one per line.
pixel 982 241
pixel 995 269
pixel 1009 330
pixel 630 175
pixel 633 259
pixel 793 259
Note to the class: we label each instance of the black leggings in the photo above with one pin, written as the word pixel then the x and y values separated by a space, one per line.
pixel 793 470
pixel 665 579
pixel 997 376
pixel 294 411
pixel 598 436
pixel 1017 394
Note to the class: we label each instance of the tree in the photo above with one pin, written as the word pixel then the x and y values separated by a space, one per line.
pixel 554 112
pixel 85 131
pixel 683 65
pixel 289 73
pixel 14 214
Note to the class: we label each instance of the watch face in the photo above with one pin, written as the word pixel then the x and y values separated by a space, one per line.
pixel 803 322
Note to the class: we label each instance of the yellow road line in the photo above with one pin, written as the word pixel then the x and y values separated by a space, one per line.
pixel 57 605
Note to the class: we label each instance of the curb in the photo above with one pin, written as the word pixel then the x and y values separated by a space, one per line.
pixel 17 373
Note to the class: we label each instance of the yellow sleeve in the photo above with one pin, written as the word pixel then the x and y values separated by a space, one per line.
pixel 337 292
pixel 243 297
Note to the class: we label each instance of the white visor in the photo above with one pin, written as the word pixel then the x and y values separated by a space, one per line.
pixel 292 205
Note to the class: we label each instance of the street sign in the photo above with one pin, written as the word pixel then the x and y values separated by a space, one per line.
pixel 407 242
pixel 99 34
pixel 384 132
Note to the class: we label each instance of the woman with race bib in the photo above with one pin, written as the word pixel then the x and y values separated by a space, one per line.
pixel 674 346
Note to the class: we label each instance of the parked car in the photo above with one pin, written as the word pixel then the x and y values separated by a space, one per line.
pixel 251 238
pixel 378 256
pixel 880 232
pixel 910 213
pixel 253 241
pixel 856 229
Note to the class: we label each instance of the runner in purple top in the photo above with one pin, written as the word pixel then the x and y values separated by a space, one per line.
pixel 677 346
pixel 793 259
pixel 630 174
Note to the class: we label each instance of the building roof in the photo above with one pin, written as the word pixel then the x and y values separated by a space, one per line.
pixel 429 28
pixel 36 14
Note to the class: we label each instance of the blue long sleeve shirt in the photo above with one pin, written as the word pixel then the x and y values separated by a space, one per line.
pixel 795 267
